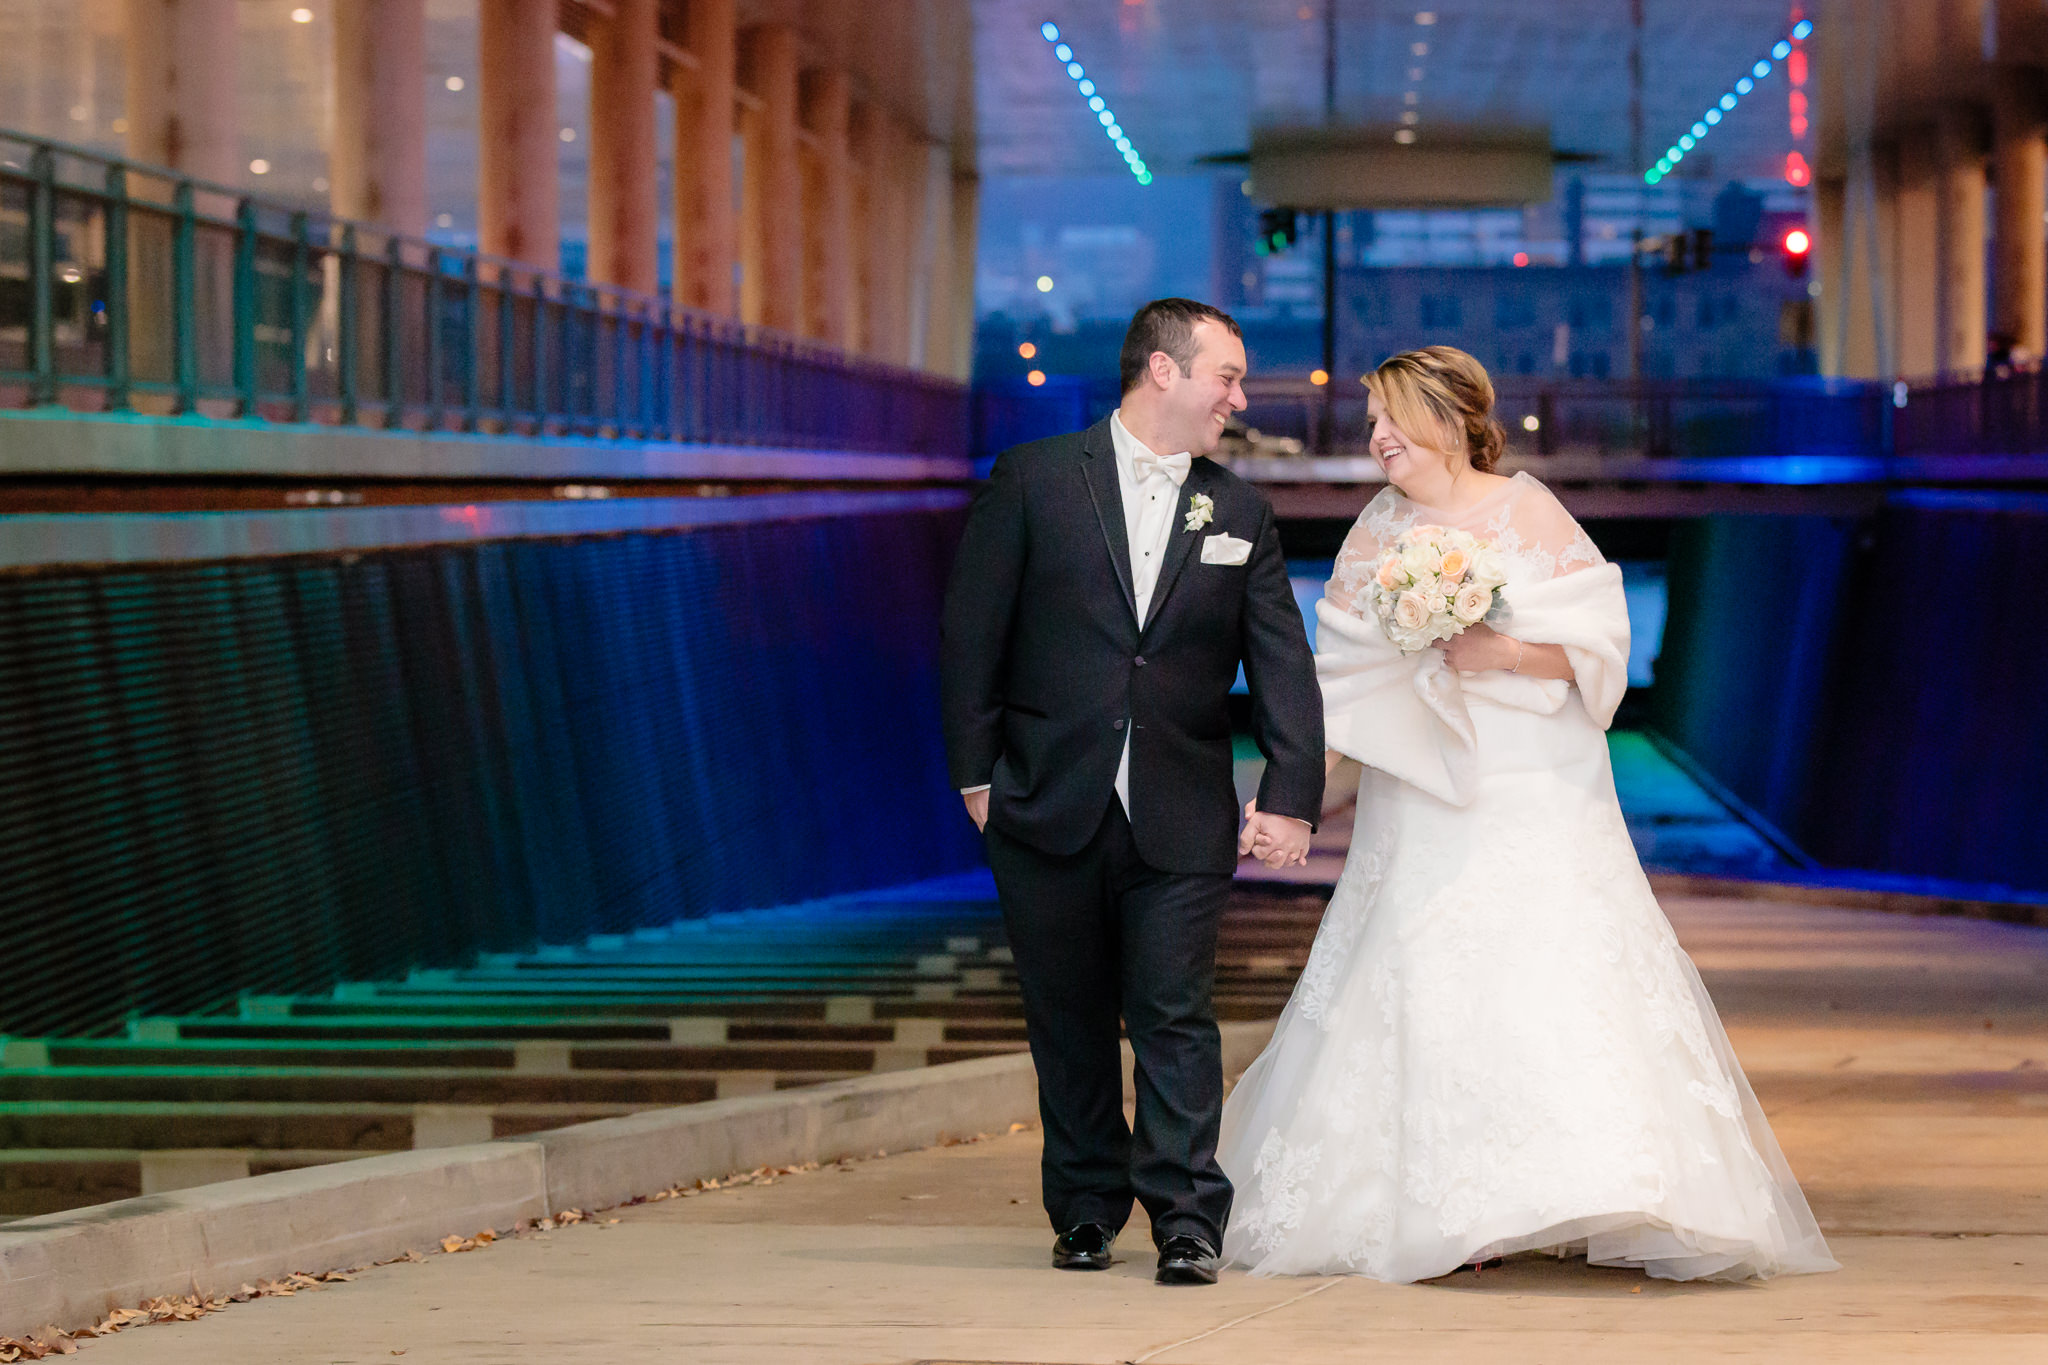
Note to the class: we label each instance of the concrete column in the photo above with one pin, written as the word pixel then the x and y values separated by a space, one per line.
pixel 929 210
pixel 377 162
pixel 1915 231
pixel 771 197
pixel 828 210
pixel 707 221
pixel 519 147
pixel 868 145
pixel 181 87
pixel 2019 162
pixel 936 306
pixel 1959 277
pixel 966 249
pixel 1830 266
pixel 624 67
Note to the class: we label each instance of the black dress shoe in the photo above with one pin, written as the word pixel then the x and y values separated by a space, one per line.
pixel 1084 1246
pixel 1186 1260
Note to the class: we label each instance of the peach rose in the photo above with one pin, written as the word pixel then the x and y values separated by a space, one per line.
pixel 1454 565
pixel 1390 571
pixel 1411 611
pixel 1472 603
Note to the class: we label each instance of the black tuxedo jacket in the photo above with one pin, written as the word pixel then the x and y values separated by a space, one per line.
pixel 1045 663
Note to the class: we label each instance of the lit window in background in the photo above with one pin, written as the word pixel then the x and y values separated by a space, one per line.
pixel 1103 114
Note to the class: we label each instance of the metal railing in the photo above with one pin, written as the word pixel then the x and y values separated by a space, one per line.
pixel 130 288
pixel 1682 418
pixel 2000 414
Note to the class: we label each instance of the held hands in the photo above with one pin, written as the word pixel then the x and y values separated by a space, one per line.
pixel 1478 648
pixel 1275 840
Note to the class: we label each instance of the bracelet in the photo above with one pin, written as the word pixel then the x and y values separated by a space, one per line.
pixel 1520 649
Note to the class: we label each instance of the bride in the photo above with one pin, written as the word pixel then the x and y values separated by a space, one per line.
pixel 1497 1045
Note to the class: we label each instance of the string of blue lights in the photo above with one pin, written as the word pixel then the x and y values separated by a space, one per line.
pixel 1725 105
pixel 1103 115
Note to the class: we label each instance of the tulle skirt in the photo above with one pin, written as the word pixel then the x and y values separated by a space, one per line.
pixel 1498 1046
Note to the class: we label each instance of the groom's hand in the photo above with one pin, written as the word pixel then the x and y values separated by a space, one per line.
pixel 977 807
pixel 1275 840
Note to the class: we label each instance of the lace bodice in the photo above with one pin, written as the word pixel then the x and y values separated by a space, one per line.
pixel 1522 519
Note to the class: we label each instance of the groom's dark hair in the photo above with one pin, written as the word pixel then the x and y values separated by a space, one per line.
pixel 1166 325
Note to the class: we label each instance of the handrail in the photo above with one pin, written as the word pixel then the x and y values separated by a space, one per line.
pixel 132 287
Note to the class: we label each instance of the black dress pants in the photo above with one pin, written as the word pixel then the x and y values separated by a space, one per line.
pixel 1098 934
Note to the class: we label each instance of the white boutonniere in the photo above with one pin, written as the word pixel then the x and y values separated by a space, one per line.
pixel 1201 511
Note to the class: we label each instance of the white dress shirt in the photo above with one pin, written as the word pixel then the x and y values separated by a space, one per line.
pixel 1149 505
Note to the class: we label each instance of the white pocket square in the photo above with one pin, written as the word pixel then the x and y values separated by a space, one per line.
pixel 1225 550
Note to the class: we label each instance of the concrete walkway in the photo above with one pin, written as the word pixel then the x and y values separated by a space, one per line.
pixel 1903 1061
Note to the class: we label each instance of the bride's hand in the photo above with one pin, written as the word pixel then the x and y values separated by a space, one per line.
pixel 1479 648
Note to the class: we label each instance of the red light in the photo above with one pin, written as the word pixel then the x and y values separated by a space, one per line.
pixel 1797 172
pixel 1521 258
pixel 1798 242
pixel 1795 66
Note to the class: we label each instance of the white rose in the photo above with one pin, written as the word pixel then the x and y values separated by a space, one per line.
pixel 1411 611
pixel 1487 567
pixel 1474 600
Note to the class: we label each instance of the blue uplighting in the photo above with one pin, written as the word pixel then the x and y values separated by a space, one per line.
pixel 1726 104
pixel 1089 91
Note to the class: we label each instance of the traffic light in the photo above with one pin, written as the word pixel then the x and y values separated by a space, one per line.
pixel 1796 247
pixel 1685 251
pixel 1277 231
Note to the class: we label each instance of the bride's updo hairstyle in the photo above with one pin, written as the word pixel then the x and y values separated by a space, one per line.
pixel 1442 394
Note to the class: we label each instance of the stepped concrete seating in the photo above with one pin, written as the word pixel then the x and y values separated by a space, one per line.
pixel 525 1043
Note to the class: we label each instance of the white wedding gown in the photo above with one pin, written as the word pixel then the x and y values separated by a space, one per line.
pixel 1497 1044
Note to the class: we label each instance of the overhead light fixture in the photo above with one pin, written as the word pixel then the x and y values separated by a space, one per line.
pixel 1762 68
pixel 1104 115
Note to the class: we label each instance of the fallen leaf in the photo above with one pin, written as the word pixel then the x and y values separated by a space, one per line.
pixel 453 1243
pixel 1636 1290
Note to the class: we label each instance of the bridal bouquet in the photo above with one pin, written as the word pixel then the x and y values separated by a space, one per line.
pixel 1432 583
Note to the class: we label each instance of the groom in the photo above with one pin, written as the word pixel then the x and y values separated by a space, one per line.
pixel 1108 585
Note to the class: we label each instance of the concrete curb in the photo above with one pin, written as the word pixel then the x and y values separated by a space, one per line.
pixel 74 1268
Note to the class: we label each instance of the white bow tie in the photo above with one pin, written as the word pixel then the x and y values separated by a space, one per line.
pixel 1145 464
